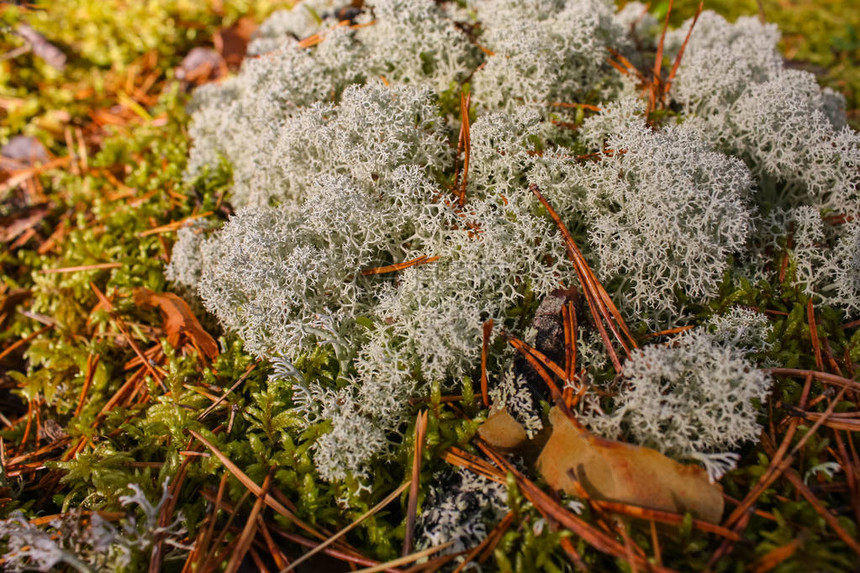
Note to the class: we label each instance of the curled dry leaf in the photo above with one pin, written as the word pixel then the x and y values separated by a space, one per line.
pixel 614 471
pixel 178 320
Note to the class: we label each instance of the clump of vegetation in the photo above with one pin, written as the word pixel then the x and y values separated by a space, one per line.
pixel 390 214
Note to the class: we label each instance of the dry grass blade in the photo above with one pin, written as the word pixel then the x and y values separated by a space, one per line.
pixel 253 487
pixel 95 267
pixel 412 507
pixel 407 559
pixel 372 511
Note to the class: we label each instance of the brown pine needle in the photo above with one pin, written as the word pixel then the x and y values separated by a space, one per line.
pixel 465 100
pixel 820 376
pixel 625 66
pixel 457 457
pixel 776 556
pixel 681 51
pixel 108 305
pixel 485 348
pixel 412 507
pixel 92 363
pixel 554 512
pixel 670 331
pixel 775 470
pixel 813 334
pixel 657 515
pixel 831 519
pixel 568 315
pixel 223 396
pixel 372 511
pixel 485 543
pixel 250 529
pixel 16 345
pixel 174 225
pixel 658 59
pixel 599 302
pixel 575 106
pixel 253 487
pixel 655 542
pixel 544 360
pixel 422 260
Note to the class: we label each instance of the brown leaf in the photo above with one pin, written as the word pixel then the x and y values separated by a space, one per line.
pixel 178 320
pixel 614 471
pixel 503 431
pixel 232 42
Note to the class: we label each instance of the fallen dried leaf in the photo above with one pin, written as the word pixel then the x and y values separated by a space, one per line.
pixel 614 471
pixel 232 42
pixel 502 431
pixel 178 320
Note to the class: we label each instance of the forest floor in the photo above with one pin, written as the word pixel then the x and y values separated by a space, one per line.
pixel 108 379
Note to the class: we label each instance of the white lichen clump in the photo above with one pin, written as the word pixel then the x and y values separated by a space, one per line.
pixel 344 155
pixel 89 543
pixel 692 398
